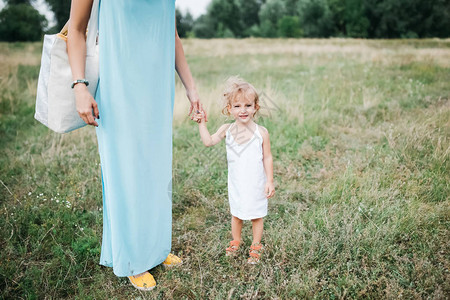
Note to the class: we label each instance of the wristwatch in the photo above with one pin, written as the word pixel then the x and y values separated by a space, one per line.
pixel 80 81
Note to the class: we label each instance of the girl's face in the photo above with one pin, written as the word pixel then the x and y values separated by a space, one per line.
pixel 243 108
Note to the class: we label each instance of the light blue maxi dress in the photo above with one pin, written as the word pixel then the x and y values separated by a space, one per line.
pixel 135 97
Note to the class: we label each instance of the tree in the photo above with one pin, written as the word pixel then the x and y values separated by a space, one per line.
pixel 19 21
pixel 249 14
pixel 291 7
pixel 272 11
pixel 325 18
pixel 269 14
pixel 227 13
pixel 356 23
pixel 61 10
pixel 289 26
pixel 184 23
pixel 204 27
pixel 14 2
pixel 315 18
pixel 337 10
pixel 408 18
pixel 438 20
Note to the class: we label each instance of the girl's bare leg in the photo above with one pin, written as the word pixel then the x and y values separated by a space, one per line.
pixel 236 228
pixel 257 227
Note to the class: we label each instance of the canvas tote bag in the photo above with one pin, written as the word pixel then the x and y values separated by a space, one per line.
pixel 55 100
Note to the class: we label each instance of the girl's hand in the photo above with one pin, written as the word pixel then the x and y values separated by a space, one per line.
pixel 196 105
pixel 199 116
pixel 85 103
pixel 269 190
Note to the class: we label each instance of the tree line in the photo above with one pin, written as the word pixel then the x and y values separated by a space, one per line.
pixel 20 21
pixel 321 18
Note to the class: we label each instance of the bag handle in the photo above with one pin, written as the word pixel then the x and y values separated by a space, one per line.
pixel 65 29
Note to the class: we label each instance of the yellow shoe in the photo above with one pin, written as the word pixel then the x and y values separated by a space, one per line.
pixel 172 261
pixel 143 282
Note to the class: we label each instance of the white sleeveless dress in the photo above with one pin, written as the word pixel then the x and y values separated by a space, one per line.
pixel 246 176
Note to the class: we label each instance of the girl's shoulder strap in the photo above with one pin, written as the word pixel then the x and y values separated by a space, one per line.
pixel 258 132
pixel 229 127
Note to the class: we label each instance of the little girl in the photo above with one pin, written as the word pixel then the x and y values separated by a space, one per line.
pixel 250 166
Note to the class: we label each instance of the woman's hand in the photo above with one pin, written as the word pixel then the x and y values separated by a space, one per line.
pixel 196 105
pixel 269 190
pixel 85 103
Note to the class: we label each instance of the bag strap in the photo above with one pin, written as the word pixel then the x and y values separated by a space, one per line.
pixel 65 29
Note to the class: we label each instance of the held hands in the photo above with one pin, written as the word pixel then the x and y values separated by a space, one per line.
pixel 196 106
pixel 199 116
pixel 269 190
pixel 85 104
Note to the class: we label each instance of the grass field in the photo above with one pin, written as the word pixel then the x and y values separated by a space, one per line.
pixel 360 134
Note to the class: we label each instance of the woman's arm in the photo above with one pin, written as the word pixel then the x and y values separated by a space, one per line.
pixel 268 163
pixel 184 72
pixel 76 49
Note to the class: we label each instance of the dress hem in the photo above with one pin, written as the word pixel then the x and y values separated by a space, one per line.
pixel 110 265
pixel 249 218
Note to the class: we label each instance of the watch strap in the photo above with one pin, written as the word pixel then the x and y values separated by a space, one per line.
pixel 80 81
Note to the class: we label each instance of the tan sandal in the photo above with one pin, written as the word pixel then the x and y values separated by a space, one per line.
pixel 233 249
pixel 255 254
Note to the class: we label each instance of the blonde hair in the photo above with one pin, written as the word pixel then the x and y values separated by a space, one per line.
pixel 234 87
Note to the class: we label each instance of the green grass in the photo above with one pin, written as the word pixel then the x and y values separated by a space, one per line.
pixel 360 139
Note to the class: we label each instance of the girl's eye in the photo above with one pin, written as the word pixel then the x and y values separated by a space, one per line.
pixel 248 105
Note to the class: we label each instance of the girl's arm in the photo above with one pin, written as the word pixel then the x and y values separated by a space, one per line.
pixel 76 49
pixel 268 163
pixel 184 72
pixel 207 139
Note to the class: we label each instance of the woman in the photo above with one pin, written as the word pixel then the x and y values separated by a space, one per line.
pixel 139 50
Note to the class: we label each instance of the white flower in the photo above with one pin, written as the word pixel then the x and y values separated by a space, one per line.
pixel 29 193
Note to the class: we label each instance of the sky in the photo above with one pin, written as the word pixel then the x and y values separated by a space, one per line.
pixel 195 7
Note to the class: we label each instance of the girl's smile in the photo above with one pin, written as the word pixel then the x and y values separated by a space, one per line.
pixel 243 108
